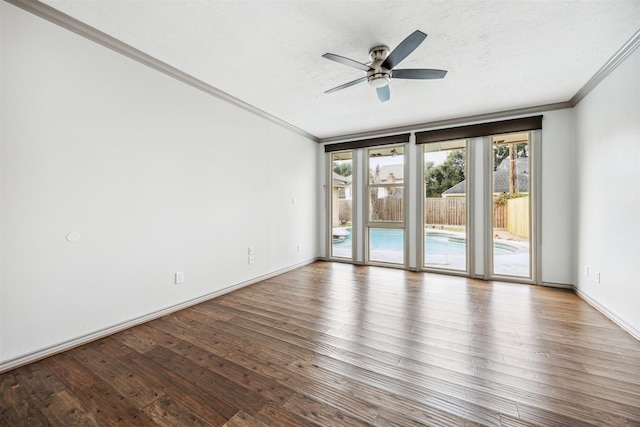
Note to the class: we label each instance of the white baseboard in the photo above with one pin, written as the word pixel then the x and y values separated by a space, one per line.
pixel 558 285
pixel 84 339
pixel 612 316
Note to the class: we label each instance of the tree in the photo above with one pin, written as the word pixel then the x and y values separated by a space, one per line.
pixel 501 152
pixel 342 168
pixel 512 152
pixel 440 178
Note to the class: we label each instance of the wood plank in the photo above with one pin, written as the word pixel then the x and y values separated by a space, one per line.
pixel 37 385
pixel 138 343
pixel 63 409
pixel 109 407
pixel 236 373
pixel 16 406
pixel 321 413
pixel 154 335
pixel 196 333
pixel 242 419
pixel 391 409
pixel 206 313
pixel 277 415
pixel 136 389
pixel 168 412
pixel 539 416
pixel 430 417
pixel 111 347
pixel 507 421
pixel 227 391
pixel 441 396
pixel 204 403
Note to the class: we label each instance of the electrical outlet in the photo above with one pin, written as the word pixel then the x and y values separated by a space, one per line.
pixel 179 277
pixel 598 277
pixel 586 271
pixel 299 247
pixel 250 254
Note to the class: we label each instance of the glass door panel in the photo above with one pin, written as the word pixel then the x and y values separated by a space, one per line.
pixel 385 210
pixel 445 205
pixel 386 245
pixel 511 198
pixel 341 205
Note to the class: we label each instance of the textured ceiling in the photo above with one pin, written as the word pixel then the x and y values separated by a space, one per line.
pixel 501 55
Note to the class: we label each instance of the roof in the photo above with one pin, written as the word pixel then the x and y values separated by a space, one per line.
pixel 501 178
pixel 341 181
pixel 397 171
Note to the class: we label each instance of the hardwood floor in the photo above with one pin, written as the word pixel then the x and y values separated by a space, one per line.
pixel 336 344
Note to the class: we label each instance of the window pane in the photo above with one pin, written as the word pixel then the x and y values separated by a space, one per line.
pixel 341 192
pixel 386 166
pixel 386 182
pixel 386 245
pixel 511 205
pixel 445 206
pixel 386 204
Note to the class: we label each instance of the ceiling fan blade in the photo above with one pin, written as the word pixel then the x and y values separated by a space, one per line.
pixel 403 50
pixel 346 85
pixel 346 61
pixel 419 74
pixel 383 93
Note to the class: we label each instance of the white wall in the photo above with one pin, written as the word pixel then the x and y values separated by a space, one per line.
pixel 156 176
pixel 557 201
pixel 607 194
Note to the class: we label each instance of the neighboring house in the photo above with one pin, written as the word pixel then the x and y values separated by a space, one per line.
pixel 500 179
pixel 341 188
pixel 389 174
pixel 343 185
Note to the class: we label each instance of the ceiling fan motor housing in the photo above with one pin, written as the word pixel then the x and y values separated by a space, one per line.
pixel 378 76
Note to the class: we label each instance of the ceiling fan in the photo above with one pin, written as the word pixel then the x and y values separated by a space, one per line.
pixel 381 70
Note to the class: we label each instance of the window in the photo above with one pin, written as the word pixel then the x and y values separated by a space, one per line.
pixel 472 206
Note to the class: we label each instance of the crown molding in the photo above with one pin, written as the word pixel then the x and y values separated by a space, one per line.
pixel 69 23
pixel 607 68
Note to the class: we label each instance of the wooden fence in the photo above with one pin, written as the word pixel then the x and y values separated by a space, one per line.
pixel 453 211
pixel 500 215
pixel 344 215
pixel 387 209
pixel 446 211
pixel 518 216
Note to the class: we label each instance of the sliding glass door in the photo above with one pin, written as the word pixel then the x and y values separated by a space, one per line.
pixel 341 206
pixel 445 205
pixel 386 208
pixel 510 197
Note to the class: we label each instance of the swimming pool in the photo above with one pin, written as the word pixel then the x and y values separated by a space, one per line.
pixel 436 242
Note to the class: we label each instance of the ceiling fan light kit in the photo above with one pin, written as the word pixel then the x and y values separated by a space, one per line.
pixel 381 70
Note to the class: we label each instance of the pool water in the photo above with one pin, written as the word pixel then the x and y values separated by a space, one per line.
pixel 435 242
